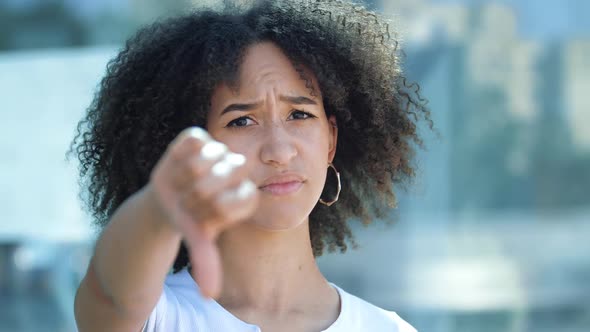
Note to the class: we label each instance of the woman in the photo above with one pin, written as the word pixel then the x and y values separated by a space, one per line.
pixel 234 146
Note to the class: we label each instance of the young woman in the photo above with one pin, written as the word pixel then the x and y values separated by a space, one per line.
pixel 234 146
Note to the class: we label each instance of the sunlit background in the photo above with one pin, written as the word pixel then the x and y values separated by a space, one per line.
pixel 493 235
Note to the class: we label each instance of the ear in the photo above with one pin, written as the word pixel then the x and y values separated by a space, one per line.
pixel 333 127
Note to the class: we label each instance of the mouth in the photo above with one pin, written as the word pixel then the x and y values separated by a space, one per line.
pixel 282 188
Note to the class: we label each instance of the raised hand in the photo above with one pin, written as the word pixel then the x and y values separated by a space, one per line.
pixel 202 188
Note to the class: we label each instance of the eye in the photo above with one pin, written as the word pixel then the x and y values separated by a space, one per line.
pixel 239 122
pixel 301 115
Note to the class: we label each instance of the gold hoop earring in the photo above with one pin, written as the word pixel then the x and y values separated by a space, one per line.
pixel 333 200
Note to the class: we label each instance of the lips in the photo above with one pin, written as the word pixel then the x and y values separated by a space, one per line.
pixel 283 184
pixel 282 188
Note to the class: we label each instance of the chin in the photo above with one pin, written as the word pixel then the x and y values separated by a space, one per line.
pixel 279 218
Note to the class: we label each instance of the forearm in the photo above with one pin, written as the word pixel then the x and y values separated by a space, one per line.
pixel 134 253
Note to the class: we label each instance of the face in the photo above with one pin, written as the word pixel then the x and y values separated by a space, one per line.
pixel 273 119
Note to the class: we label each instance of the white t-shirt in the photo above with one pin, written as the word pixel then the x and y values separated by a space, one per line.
pixel 181 308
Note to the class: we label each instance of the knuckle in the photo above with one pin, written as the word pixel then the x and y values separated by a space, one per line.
pixel 176 152
pixel 213 150
pixel 201 193
pixel 195 209
pixel 189 139
pixel 241 172
pixel 195 169
pixel 191 145
pixel 195 132
pixel 218 207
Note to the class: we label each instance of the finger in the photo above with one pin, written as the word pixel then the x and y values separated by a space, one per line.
pixel 205 260
pixel 238 203
pixel 237 194
pixel 230 207
pixel 224 174
pixel 205 150
pixel 188 142
pixel 193 132
pixel 193 164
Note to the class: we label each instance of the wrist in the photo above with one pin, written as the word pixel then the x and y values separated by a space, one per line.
pixel 155 213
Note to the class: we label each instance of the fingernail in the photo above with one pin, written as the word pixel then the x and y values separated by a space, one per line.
pixel 221 168
pixel 212 150
pixel 235 159
pixel 246 189
pixel 199 133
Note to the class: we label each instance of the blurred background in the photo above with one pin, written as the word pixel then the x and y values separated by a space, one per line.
pixel 493 235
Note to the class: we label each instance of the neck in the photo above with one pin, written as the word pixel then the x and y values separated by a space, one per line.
pixel 269 271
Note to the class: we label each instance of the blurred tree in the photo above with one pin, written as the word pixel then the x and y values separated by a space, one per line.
pixel 501 162
pixel 560 172
pixel 43 24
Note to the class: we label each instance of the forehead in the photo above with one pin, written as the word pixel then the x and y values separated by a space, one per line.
pixel 264 60
pixel 265 67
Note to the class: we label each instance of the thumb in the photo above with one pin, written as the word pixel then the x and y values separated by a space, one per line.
pixel 205 260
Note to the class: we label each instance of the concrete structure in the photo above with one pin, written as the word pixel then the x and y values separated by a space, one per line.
pixel 576 90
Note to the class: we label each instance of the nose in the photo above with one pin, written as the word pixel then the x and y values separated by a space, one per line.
pixel 278 146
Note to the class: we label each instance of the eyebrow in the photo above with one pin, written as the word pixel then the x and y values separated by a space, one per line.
pixel 295 100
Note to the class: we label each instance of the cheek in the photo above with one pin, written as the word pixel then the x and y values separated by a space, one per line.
pixel 315 140
pixel 315 154
pixel 244 146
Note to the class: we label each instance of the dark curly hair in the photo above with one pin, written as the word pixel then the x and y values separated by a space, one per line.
pixel 162 80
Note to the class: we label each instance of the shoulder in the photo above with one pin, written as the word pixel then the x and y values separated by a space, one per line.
pixel 369 317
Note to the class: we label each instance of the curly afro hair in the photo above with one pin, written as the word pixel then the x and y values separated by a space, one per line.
pixel 162 80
